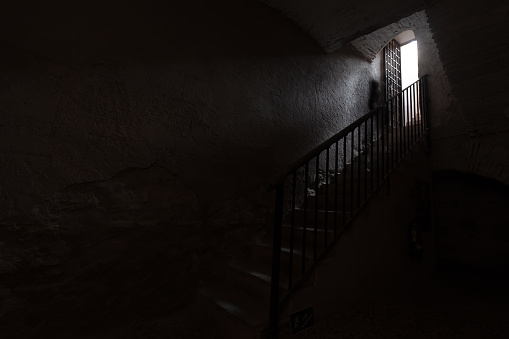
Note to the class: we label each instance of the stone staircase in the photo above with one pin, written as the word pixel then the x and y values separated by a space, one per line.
pixel 240 305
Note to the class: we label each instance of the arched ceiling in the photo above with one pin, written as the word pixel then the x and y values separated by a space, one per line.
pixel 370 44
pixel 332 23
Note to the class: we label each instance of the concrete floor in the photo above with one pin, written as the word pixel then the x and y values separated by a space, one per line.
pixel 450 305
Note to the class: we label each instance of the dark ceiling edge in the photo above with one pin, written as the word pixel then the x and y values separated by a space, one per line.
pixel 284 16
pixel 394 19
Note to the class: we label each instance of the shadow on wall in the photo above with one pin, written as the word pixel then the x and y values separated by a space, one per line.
pixel 152 30
pixel 115 255
pixel 215 93
pixel 472 222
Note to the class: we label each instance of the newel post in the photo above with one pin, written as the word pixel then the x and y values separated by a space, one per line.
pixel 276 263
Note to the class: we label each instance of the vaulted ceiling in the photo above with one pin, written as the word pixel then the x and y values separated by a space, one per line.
pixel 332 23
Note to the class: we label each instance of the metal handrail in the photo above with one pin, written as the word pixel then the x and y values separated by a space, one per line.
pixel 329 142
pixel 392 129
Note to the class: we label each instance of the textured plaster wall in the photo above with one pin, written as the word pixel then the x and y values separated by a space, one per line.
pixel 137 143
pixel 443 105
pixel 214 95
pixel 473 134
pixel 468 107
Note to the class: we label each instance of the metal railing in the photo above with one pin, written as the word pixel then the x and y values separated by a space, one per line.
pixel 321 195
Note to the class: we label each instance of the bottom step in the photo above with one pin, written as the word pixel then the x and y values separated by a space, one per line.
pixel 238 315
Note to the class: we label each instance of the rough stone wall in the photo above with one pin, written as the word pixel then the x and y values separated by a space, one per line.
pixel 473 136
pixel 371 44
pixel 115 255
pixel 443 105
pixel 137 143
pixel 92 90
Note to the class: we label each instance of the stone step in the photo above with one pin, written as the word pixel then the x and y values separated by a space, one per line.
pixel 254 279
pixel 328 203
pixel 237 314
pixel 262 253
pixel 298 236
pixel 345 190
pixel 322 217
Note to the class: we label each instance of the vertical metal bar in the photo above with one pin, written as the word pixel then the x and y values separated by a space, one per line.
pixel 423 96
pixel 392 142
pixel 394 134
pixel 425 90
pixel 412 115
pixel 371 150
pixel 351 172
pixel 386 74
pixel 415 113
pixel 336 188
pixel 366 153
pixel 404 104
pixel 359 159
pixel 305 221
pixel 383 140
pixel 326 217
pixel 407 129
pixel 419 87
pixel 398 135
pixel 411 111
pixel 378 114
pixel 400 126
pixel 292 228
pixel 276 263
pixel 426 103
pixel 344 182
pixel 428 117
pixel 317 183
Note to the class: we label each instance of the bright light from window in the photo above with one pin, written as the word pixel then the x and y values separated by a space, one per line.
pixel 409 62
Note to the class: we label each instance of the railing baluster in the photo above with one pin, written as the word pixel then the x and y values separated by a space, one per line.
pixel 343 224
pixel 378 148
pixel 415 112
pixel 359 159
pixel 276 263
pixel 419 89
pixel 292 228
pixel 366 153
pixel 409 118
pixel 383 140
pixel 423 114
pixel 326 217
pixel 336 188
pixel 394 134
pixel 351 172
pixel 317 186
pixel 409 127
pixel 410 110
pixel 392 141
pixel 426 107
pixel 372 145
pixel 407 124
pixel 400 126
pixel 305 221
